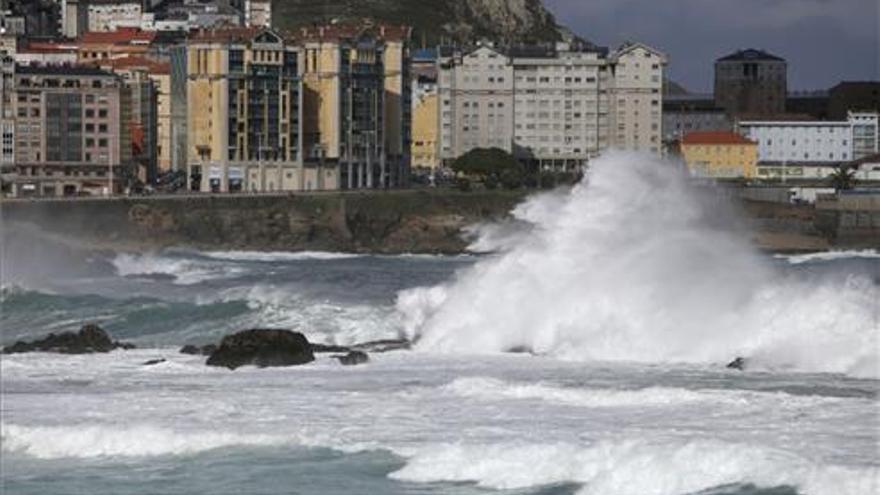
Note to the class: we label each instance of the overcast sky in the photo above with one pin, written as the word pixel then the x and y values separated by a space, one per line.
pixel 824 41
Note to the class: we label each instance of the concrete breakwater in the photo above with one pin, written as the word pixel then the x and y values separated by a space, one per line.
pixel 410 221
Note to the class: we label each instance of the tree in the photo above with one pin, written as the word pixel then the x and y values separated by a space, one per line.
pixel 491 166
pixel 843 178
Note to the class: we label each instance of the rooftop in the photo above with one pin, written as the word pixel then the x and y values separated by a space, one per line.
pixel 750 54
pixel 715 137
pixel 135 62
pixel 122 35
pixel 61 70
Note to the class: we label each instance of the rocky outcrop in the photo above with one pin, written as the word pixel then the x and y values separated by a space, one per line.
pixel 737 364
pixel 433 21
pixel 195 350
pixel 353 358
pixel 91 338
pixel 262 348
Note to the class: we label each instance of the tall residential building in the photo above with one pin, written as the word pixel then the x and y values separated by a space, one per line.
pixel 425 110
pixel 7 118
pixel 74 17
pixel 812 142
pixel 72 131
pixel 244 112
pixel 751 82
pixel 554 106
pixel 357 104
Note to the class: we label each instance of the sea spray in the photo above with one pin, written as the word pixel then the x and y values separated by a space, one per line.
pixel 637 264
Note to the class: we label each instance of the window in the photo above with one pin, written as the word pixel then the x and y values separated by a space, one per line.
pixel 102 113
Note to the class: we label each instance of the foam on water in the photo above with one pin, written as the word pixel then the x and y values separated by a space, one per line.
pixel 634 264
pixel 634 467
pixel 185 271
pixel 798 259
pixel 268 257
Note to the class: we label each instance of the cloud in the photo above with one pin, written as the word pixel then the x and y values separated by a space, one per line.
pixel 824 40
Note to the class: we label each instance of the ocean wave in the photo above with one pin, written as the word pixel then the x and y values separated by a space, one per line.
pixel 89 441
pixel 631 265
pixel 278 256
pixel 184 271
pixel 495 389
pixel 797 259
pixel 633 467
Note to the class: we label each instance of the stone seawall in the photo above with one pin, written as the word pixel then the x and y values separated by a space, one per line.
pixel 376 222
pixel 413 221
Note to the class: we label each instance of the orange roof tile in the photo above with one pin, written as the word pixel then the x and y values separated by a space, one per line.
pixel 715 137
pixel 122 35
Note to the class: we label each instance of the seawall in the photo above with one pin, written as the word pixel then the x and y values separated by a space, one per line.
pixel 410 221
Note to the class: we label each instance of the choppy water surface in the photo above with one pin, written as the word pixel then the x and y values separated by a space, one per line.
pixel 627 394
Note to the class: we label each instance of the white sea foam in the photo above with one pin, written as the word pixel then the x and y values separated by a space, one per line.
pixel 185 271
pixel 494 389
pixel 798 259
pixel 278 256
pixel 86 441
pixel 633 467
pixel 631 265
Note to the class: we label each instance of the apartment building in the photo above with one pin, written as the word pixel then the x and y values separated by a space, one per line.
pixel 554 106
pixel 751 82
pixel 7 116
pixel 719 154
pixel 244 112
pixel 109 15
pixel 814 142
pixel 357 105
pixel 72 131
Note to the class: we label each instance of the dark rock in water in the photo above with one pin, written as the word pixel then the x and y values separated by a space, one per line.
pixel 205 350
pixel 383 345
pixel 737 364
pixel 91 338
pixel 329 348
pixel 262 348
pixel 353 357
pixel 520 349
pixel 151 362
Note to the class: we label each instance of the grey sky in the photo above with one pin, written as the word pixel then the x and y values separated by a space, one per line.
pixel 824 41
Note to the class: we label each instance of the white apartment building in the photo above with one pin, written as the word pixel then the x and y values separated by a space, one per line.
pixel 107 15
pixel 557 107
pixel 814 142
pixel 258 13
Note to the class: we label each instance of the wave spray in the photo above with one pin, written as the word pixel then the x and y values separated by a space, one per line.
pixel 637 264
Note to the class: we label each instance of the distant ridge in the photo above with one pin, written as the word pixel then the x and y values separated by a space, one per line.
pixel 433 21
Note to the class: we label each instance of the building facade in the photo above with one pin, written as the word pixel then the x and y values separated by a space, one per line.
pixel 719 155
pixel 357 105
pixel 555 107
pixel 751 82
pixel 686 114
pixel 244 112
pixel 258 13
pixel 109 15
pixel 72 131
pixel 813 142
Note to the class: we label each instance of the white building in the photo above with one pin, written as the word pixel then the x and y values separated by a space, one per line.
pixel 258 13
pixel 107 15
pixel 557 106
pixel 814 142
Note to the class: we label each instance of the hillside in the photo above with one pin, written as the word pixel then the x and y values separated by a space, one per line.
pixel 433 21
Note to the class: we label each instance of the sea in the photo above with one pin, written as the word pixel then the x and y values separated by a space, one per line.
pixel 579 348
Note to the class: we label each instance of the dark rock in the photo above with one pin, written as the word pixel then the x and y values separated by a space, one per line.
pixel 329 348
pixel 205 350
pixel 383 345
pixel 353 357
pixel 151 362
pixel 262 348
pixel 737 364
pixel 91 338
pixel 520 349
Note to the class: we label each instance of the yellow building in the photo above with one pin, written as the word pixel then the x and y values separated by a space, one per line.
pixel 720 155
pixel 424 131
pixel 244 113
pixel 356 102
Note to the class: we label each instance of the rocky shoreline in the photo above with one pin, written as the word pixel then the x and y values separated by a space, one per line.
pixel 425 221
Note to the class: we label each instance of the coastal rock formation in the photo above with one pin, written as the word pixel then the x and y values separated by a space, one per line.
pixel 262 348
pixel 316 348
pixel 737 364
pixel 205 350
pixel 353 358
pixel 383 345
pixel 91 338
